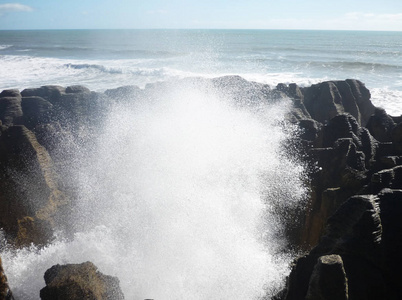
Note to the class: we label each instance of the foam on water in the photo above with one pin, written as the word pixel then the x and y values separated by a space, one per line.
pixel 176 199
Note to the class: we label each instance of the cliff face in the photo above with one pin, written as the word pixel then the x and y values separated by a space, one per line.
pixel 356 193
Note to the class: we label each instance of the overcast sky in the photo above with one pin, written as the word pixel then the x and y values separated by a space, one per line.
pixel 247 14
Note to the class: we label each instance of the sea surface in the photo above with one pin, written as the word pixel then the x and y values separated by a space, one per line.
pixel 102 59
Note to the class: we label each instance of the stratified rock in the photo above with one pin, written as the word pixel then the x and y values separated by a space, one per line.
pixel 10 107
pixel 328 280
pixel 329 99
pixel 30 194
pixel 50 93
pixel 387 178
pixel 77 89
pixel 36 110
pixel 79 281
pixel 354 233
pixel 380 125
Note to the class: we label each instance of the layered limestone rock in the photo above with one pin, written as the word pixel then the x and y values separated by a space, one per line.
pixel 347 159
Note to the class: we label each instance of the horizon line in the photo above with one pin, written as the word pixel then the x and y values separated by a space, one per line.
pixel 272 29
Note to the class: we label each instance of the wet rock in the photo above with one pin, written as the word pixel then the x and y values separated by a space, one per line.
pixel 354 233
pixel 328 280
pixel 30 194
pixel 10 107
pixel 123 93
pixel 329 99
pixel 50 93
pixel 79 281
pixel 380 125
pixel 5 292
pixel 77 89
pixel 36 110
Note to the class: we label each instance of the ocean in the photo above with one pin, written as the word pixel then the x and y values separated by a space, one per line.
pixel 103 59
pixel 182 194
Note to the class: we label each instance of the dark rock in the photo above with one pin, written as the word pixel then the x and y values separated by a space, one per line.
pixel 30 194
pixel 390 203
pixel 36 110
pixel 328 280
pixel 79 281
pixel 77 89
pixel 10 107
pixel 329 99
pixel 49 92
pixel 380 125
pixel 387 178
pixel 354 232
pixel 362 97
pixel 310 129
pixel 10 93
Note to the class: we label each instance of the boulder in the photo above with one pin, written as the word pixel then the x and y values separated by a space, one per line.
pixel 79 281
pixel 328 280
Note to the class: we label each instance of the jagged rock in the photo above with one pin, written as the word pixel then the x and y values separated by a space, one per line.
pixel 36 110
pixel 329 99
pixel 328 280
pixel 79 281
pixel 30 194
pixel 310 129
pixel 387 178
pixel 354 233
pixel 10 107
pixel 396 134
pixel 380 125
pixel 48 92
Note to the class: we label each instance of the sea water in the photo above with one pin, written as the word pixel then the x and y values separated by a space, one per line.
pixel 102 59
pixel 178 194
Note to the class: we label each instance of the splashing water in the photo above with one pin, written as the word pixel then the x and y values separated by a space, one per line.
pixel 175 197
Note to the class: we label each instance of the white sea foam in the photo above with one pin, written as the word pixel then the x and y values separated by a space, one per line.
pixel 2 47
pixel 175 200
pixel 389 99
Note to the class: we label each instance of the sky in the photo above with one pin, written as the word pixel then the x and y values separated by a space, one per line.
pixel 204 14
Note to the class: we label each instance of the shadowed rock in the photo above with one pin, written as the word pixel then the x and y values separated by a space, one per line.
pixel 79 281
pixel 36 110
pixel 328 280
pixel 10 107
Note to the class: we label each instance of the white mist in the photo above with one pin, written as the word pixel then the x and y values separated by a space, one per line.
pixel 175 197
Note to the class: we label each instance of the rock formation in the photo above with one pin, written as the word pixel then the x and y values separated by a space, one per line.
pixel 353 151
pixel 356 182
pixel 79 281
